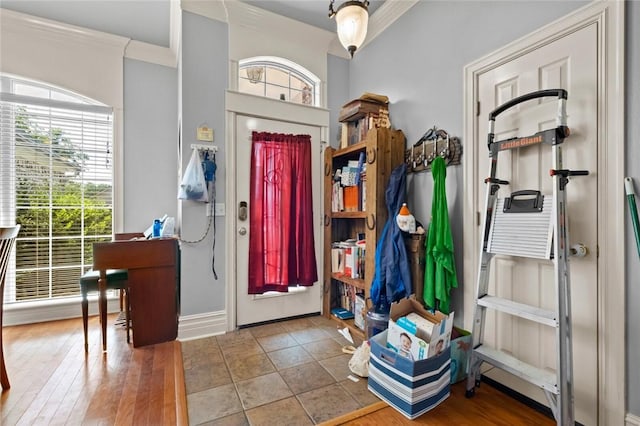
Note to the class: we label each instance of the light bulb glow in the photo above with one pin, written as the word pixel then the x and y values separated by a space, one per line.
pixel 352 20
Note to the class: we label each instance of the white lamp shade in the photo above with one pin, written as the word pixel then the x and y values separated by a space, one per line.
pixel 352 20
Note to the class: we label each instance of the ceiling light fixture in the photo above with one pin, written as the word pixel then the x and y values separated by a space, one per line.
pixel 352 18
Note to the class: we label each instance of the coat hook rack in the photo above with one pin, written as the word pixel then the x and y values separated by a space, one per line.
pixel 204 147
pixel 434 143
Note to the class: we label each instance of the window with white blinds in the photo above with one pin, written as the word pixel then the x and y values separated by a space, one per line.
pixel 56 181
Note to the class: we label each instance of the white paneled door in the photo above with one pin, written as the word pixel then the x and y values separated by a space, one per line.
pixel 251 309
pixel 569 63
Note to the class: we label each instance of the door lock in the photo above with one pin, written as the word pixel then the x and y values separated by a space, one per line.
pixel 242 211
pixel 242 231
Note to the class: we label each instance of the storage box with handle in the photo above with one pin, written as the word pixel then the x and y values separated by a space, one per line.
pixel 412 388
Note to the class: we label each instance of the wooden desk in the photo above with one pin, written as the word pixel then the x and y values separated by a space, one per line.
pixel 153 276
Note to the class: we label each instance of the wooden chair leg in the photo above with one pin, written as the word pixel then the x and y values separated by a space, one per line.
pixel 85 320
pixel 102 307
pixel 4 378
pixel 127 313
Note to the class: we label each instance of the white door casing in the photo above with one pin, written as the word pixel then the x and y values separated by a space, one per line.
pixel 600 394
pixel 255 308
pixel 273 115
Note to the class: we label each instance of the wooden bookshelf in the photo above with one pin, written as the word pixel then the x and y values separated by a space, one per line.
pixel 384 151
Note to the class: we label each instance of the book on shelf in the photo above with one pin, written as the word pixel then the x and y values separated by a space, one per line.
pixel 341 313
pixel 351 262
pixel 337 260
pixel 353 132
pixel 347 258
pixel 359 311
pixel 351 199
pixel 350 303
pixel 337 197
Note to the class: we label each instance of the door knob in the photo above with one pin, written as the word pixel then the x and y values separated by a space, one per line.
pixel 242 231
pixel 579 250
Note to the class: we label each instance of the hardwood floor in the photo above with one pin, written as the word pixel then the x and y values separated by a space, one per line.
pixel 53 382
pixel 489 407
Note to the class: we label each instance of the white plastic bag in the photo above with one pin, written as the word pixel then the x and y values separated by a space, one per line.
pixel 193 186
pixel 359 362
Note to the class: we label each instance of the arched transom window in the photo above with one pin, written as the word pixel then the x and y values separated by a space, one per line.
pixel 278 78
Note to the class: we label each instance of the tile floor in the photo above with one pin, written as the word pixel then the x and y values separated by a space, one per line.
pixel 287 373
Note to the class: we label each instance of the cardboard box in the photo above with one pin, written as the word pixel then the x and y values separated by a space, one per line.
pixel 461 343
pixel 440 334
pixel 417 322
pixel 412 388
pixel 403 340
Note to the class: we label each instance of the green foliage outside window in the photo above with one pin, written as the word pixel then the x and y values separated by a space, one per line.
pixel 61 215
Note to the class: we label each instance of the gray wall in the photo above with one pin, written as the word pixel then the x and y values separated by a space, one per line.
pixel 203 82
pixel 337 93
pixel 150 143
pixel 424 81
pixel 633 169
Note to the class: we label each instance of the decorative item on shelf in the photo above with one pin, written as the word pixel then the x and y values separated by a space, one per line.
pixel 434 143
pixel 359 116
pixel 352 19
pixel 405 220
pixel 369 104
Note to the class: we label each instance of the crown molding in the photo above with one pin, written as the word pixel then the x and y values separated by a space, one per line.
pixel 385 15
pixel 151 53
pixel 242 14
pixel 25 25
pixel 247 19
pixel 175 29
pixel 209 9
pixel 248 16
pixel 379 21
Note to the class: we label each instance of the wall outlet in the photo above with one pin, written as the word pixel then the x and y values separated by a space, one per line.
pixel 217 209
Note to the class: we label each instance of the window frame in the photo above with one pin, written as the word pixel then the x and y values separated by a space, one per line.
pixel 89 62
pixel 283 65
pixel 78 116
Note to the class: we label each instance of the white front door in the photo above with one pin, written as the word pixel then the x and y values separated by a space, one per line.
pixel 252 308
pixel 569 63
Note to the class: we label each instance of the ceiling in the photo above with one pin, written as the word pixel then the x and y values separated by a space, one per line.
pixel 312 12
pixel 149 20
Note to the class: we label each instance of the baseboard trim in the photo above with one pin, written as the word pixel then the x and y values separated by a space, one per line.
pixel 541 408
pixel 202 325
pixel 632 420
pixel 33 312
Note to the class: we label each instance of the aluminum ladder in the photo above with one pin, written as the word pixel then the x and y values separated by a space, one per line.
pixel 531 225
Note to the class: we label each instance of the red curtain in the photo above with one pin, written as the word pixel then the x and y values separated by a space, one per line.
pixel 281 243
